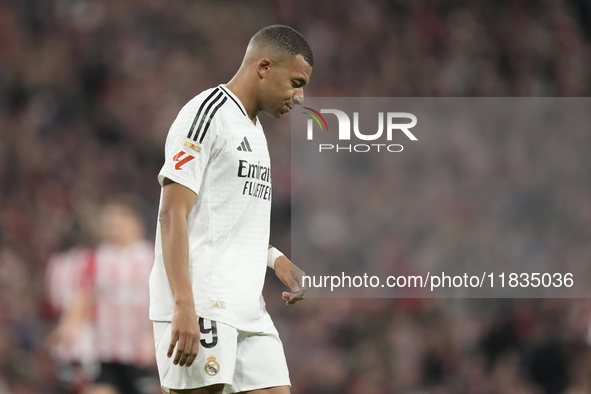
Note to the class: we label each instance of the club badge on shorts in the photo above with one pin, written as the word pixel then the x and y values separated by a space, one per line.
pixel 211 366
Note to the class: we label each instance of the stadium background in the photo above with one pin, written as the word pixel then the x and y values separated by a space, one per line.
pixel 88 90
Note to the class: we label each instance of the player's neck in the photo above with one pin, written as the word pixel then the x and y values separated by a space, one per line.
pixel 244 94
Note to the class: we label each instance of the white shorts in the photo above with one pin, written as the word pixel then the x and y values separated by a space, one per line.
pixel 241 360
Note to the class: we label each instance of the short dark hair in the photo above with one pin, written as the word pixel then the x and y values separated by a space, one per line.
pixel 285 39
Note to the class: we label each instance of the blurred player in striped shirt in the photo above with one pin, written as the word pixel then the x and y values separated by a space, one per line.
pixel 72 342
pixel 112 294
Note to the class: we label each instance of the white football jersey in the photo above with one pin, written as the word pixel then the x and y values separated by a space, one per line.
pixel 215 150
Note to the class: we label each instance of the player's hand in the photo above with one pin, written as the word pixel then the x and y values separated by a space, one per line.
pixel 294 277
pixel 185 331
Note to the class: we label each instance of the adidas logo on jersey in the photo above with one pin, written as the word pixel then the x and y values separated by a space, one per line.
pixel 244 146
pixel 218 304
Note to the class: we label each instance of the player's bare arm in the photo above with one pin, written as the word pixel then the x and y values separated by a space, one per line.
pixel 177 202
pixel 291 276
pixel 72 320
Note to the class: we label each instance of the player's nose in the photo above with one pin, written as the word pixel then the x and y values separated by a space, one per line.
pixel 298 98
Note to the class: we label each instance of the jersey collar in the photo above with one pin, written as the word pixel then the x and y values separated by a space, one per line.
pixel 235 99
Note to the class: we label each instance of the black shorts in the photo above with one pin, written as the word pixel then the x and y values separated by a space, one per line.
pixel 72 376
pixel 128 379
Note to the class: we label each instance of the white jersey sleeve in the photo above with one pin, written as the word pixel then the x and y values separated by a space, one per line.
pixel 191 142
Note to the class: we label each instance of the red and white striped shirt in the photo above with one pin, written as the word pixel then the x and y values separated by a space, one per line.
pixel 121 301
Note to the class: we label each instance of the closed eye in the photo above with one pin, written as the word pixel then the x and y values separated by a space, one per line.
pixel 298 83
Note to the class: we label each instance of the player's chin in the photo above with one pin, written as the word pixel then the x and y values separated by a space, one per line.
pixel 279 113
pixel 275 113
pixel 284 109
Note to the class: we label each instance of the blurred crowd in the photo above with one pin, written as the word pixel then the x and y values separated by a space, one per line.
pixel 89 88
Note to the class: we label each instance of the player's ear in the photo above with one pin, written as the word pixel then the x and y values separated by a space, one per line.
pixel 263 67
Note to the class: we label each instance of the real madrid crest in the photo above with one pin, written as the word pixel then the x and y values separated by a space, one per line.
pixel 211 366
